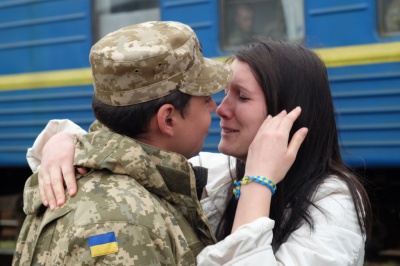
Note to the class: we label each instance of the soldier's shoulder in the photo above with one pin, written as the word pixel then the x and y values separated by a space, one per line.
pixel 115 197
pixel 103 184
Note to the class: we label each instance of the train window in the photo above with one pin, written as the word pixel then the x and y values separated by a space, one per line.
pixel 240 20
pixel 389 16
pixel 110 15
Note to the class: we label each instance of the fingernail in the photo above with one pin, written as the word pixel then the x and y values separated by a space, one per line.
pixel 52 207
pixel 59 201
pixel 304 132
pixel 71 191
pixel 45 203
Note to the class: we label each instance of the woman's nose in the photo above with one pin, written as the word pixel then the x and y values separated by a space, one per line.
pixel 223 109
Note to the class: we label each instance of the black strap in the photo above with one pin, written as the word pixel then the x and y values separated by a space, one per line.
pixel 201 175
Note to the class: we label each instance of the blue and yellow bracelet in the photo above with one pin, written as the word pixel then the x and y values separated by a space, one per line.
pixel 259 179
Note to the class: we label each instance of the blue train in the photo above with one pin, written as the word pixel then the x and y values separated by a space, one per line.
pixel 44 70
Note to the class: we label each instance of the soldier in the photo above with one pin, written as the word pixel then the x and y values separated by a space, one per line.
pixel 243 28
pixel 138 204
pixel 392 17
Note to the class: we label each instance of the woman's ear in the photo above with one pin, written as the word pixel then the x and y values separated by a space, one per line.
pixel 166 119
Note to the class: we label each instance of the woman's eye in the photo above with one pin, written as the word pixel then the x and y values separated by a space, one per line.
pixel 243 98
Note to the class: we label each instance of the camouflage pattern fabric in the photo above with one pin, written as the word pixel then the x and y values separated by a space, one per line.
pixel 147 61
pixel 143 195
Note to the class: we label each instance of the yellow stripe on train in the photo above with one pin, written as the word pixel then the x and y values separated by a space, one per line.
pixel 333 57
pixel 48 79
pixel 357 54
pixel 360 54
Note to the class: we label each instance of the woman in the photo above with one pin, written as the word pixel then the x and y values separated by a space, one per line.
pixel 320 213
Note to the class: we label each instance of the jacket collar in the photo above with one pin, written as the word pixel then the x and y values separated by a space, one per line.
pixel 161 172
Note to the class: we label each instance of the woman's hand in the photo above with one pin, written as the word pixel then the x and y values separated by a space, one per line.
pixel 57 167
pixel 270 154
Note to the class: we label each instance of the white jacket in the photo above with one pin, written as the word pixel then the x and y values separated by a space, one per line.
pixel 336 239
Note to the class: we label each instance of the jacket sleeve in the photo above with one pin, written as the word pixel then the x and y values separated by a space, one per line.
pixel 34 154
pixel 249 245
pixel 111 243
pixel 336 239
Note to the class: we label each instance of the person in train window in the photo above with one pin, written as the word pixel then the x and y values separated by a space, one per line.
pixel 392 17
pixel 242 29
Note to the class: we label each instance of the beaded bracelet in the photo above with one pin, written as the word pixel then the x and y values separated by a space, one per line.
pixel 259 179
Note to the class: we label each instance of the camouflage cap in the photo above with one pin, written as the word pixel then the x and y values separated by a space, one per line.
pixel 147 61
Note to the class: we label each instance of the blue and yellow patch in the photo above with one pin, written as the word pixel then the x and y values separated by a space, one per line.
pixel 103 244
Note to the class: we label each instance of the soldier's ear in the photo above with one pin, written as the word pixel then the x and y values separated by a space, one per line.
pixel 166 119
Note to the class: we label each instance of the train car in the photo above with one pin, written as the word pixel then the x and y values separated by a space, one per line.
pixel 45 72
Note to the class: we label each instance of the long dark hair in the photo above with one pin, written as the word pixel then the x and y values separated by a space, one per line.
pixel 291 75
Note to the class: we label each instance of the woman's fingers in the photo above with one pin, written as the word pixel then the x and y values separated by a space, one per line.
pixel 288 120
pixel 70 180
pixel 46 176
pixel 270 154
pixel 42 190
pixel 51 184
pixel 57 167
pixel 296 142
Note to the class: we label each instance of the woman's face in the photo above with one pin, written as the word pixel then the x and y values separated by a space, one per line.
pixel 242 112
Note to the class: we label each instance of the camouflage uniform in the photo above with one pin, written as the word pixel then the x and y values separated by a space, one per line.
pixel 144 195
pixel 138 205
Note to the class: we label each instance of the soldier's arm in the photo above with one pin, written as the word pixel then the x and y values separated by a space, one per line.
pixel 112 243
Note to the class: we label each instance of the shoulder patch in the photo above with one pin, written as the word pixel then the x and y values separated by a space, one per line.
pixel 103 244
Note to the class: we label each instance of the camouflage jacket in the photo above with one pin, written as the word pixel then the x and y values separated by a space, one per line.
pixel 137 206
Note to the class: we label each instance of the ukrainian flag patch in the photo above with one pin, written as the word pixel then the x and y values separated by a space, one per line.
pixel 103 244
